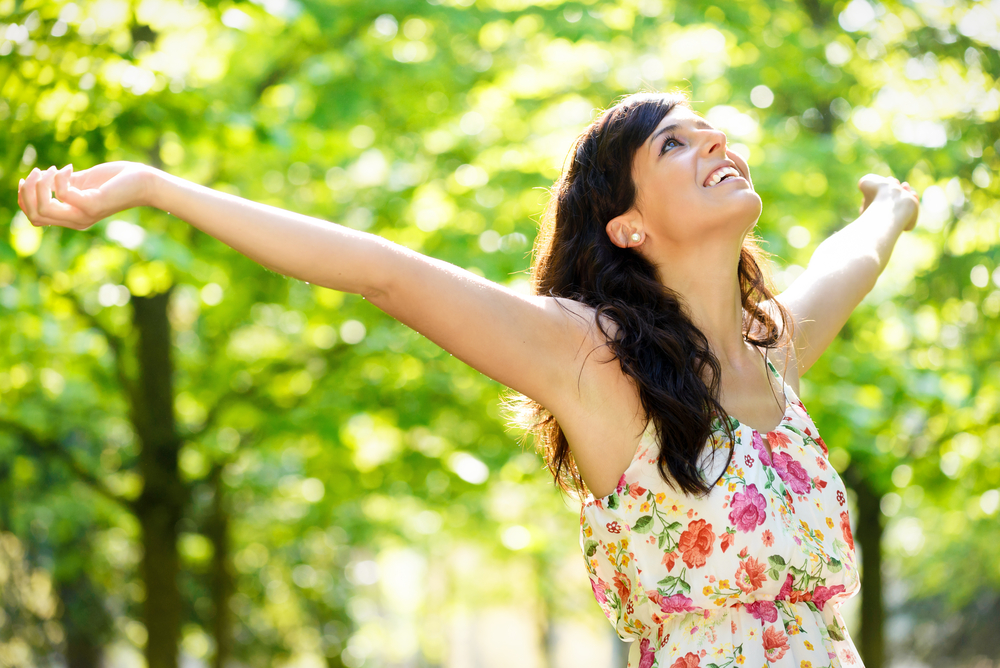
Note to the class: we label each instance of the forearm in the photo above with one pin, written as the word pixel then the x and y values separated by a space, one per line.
pixel 860 251
pixel 309 249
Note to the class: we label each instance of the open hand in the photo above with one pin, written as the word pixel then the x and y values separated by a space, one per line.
pixel 85 197
pixel 906 202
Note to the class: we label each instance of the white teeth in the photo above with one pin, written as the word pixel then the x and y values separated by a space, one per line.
pixel 719 174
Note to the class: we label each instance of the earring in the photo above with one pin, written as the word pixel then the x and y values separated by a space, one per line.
pixel 636 237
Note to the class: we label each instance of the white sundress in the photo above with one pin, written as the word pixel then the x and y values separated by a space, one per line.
pixel 752 574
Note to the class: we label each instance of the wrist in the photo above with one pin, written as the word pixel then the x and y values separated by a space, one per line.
pixel 899 207
pixel 151 192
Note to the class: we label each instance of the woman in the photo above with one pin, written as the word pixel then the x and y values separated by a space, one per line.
pixel 710 535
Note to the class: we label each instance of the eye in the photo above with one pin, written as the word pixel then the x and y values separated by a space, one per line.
pixel 667 144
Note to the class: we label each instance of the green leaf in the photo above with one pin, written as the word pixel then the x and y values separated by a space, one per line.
pixel 834 632
pixel 834 565
pixel 613 501
pixel 590 548
pixel 643 525
pixel 776 560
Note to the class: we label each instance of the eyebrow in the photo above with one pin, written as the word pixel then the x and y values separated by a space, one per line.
pixel 700 123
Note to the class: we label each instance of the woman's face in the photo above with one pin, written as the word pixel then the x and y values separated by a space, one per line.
pixel 678 198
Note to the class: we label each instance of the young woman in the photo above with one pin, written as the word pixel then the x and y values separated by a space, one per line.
pixel 715 529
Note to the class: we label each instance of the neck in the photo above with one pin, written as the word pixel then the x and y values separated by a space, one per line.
pixel 707 280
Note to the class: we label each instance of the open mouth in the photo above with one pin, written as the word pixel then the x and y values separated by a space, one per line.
pixel 722 174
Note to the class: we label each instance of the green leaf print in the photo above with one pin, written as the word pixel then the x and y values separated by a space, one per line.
pixel 834 632
pixel 613 501
pixel 643 525
pixel 776 560
pixel 673 584
pixel 834 565
pixel 668 581
pixel 591 548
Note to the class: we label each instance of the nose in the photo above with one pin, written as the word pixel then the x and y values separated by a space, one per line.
pixel 714 141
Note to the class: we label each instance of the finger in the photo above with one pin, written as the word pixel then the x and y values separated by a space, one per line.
pixel 29 194
pixel 79 179
pixel 61 182
pixel 43 191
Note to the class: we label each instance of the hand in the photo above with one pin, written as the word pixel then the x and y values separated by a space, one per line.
pixel 83 198
pixel 904 200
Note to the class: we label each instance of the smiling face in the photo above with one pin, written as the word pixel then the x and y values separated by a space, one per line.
pixel 680 197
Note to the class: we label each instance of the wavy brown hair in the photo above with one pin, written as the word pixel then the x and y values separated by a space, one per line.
pixel 654 339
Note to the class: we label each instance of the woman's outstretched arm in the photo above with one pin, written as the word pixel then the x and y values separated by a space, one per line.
pixel 531 344
pixel 844 268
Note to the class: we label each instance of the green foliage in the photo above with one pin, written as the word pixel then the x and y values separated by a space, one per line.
pixel 340 436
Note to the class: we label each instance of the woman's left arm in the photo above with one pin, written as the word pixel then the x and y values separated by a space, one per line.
pixel 844 268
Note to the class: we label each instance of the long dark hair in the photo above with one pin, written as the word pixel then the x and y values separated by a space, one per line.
pixel 655 342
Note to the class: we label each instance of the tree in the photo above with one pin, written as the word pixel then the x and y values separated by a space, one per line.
pixel 290 407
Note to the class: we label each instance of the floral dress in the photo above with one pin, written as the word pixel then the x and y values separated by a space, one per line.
pixel 751 575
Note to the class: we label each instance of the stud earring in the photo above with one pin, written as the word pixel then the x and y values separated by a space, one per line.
pixel 636 237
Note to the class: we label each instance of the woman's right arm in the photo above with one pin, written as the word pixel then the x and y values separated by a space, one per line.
pixel 535 345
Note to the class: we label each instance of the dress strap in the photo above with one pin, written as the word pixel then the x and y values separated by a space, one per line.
pixel 780 378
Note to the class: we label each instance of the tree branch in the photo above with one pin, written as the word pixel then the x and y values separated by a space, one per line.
pixel 53 447
pixel 114 341
pixel 253 395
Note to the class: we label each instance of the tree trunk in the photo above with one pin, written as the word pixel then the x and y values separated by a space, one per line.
pixel 217 531
pixel 161 505
pixel 869 538
pixel 85 621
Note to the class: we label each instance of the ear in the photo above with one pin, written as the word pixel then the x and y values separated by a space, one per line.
pixel 621 228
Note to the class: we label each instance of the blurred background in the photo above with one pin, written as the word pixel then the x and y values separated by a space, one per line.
pixel 205 463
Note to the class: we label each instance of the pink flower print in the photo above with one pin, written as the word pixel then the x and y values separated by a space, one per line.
pixel 646 656
pixel 758 445
pixel 600 587
pixel 613 527
pixel 765 611
pixel 823 594
pixel 821 463
pixel 767 537
pixel 676 603
pixel 792 473
pixel 786 589
pixel 749 461
pixel 749 509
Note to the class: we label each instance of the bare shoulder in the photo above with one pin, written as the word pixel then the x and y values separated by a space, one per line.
pixel 784 358
pixel 602 419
